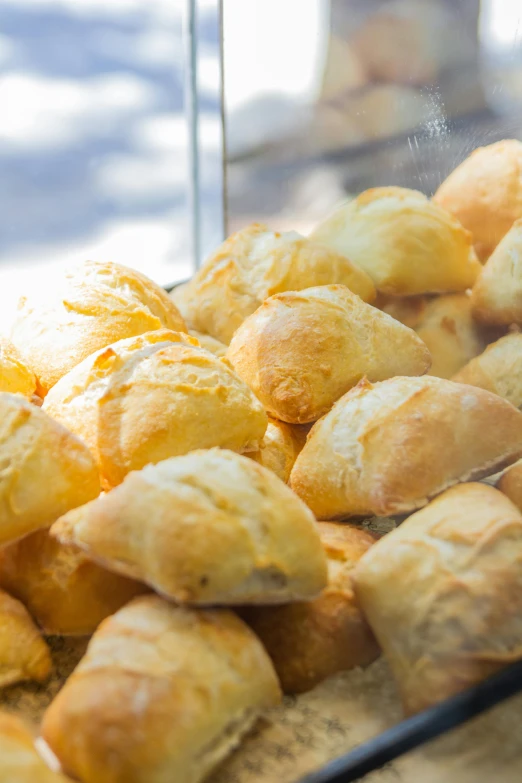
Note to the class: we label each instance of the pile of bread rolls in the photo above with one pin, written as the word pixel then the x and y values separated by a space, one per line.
pixel 184 478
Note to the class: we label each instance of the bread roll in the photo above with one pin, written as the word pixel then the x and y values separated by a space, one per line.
pixel 300 352
pixel 388 448
pixel 92 305
pixel 65 592
pixel 309 641
pixel 510 483
pixel 443 593
pixel 497 294
pixel 498 369
pixel 279 448
pixel 15 376
pixel 23 653
pixel 256 263
pixel 485 193
pixel 19 761
pixel 179 295
pixel 445 325
pixel 164 693
pixel 45 470
pixel 155 396
pixel 407 244
pixel 209 343
pixel 223 531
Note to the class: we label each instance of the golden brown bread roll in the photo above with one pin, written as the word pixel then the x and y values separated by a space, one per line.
pixel 309 641
pixel 19 761
pixel 92 305
pixel 387 448
pixel 510 483
pixel 496 297
pixel 279 448
pixel 223 530
pixel 65 592
pixel 407 244
pixel 498 369
pixel 163 693
pixel 15 376
pixel 23 653
pixel 45 472
pixel 179 295
pixel 485 193
pixel 299 352
pixel 445 325
pixel 209 343
pixel 443 593
pixel 155 396
pixel 256 263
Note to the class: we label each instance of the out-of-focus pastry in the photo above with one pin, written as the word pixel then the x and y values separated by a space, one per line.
pixel 309 641
pixel 496 297
pixel 19 761
pixel 23 653
pixel 299 352
pixel 65 592
pixel 443 593
pixel 510 483
pixel 208 528
pixel 388 448
pixel 485 193
pixel 155 396
pixel 209 343
pixel 498 369
pixel 46 470
pixel 406 243
pixel 279 448
pixel 256 263
pixel 445 325
pixel 90 306
pixel 343 71
pixel 15 376
pixel 163 693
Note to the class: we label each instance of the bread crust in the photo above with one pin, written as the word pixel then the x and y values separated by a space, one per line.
pixel 23 653
pixel 15 376
pixel 498 369
pixel 510 483
pixel 496 297
pixel 281 445
pixel 19 761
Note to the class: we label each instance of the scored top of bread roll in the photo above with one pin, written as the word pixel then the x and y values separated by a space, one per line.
pixel 443 593
pixel 497 294
pixel 301 351
pixel 498 369
pixel 15 376
pixel 19 761
pixel 45 472
pixel 387 448
pixel 23 653
pixel 224 530
pixel 309 641
pixel 155 396
pixel 256 263
pixel 90 306
pixel 406 243
pixel 485 193
pixel 163 693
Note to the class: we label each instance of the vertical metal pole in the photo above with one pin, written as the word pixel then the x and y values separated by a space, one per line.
pixel 224 193
pixel 190 37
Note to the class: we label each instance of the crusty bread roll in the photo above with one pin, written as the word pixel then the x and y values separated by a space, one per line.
pixel 211 527
pixel 406 243
pixel 309 641
pixel 256 263
pixel 179 295
pixel 496 297
pixel 485 193
pixel 45 471
pixel 23 653
pixel 443 593
pixel 15 376
pixel 65 592
pixel 92 305
pixel 155 396
pixel 498 369
pixel 388 448
pixel 19 761
pixel 279 448
pixel 163 693
pixel 445 325
pixel 510 483
pixel 209 343
pixel 299 352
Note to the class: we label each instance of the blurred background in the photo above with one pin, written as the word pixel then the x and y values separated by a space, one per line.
pixel 323 98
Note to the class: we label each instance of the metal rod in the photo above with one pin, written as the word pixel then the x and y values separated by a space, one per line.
pixel 190 37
